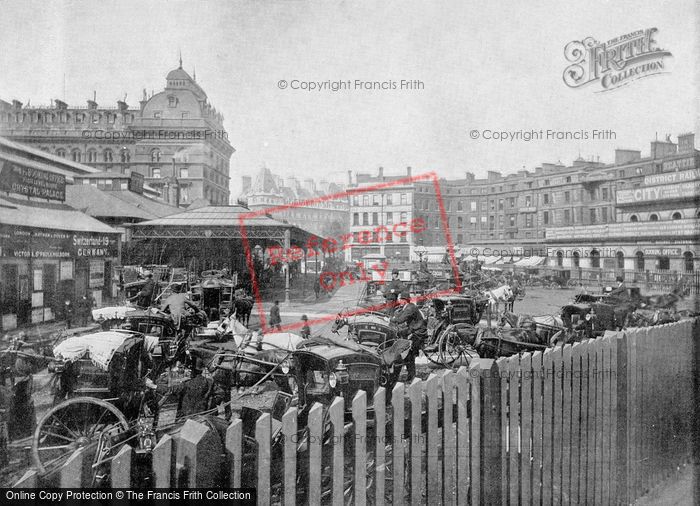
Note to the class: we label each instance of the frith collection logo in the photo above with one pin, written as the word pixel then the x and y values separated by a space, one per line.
pixel 614 63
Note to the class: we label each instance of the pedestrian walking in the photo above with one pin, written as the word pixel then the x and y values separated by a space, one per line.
pixel 305 330
pixel 275 318
pixel 317 287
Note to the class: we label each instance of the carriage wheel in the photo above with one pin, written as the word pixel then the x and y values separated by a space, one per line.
pixel 71 425
pixel 449 348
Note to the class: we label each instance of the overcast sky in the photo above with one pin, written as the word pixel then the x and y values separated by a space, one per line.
pixel 485 65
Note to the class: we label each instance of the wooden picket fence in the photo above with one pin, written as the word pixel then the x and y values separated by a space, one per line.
pixel 598 422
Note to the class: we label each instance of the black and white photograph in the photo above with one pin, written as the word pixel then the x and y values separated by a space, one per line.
pixel 350 252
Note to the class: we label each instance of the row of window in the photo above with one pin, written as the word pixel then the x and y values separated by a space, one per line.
pixel 92 156
pixel 388 218
pixel 511 202
pixel 65 117
pixel 182 172
pixel 663 262
pixel 378 199
pixel 655 217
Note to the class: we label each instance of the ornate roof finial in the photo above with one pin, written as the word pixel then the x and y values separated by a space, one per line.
pixel 194 73
pixel 180 58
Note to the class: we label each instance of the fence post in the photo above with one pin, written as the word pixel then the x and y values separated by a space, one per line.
pixel 359 418
pixel 431 391
pixel 449 463
pixel 263 433
pixel 74 472
pixel 415 393
pixel 198 455
pixel 163 462
pixel 234 452
pixel 491 444
pixel 379 403
pixel 315 426
pixel 121 468
pixel 397 438
pixel 289 430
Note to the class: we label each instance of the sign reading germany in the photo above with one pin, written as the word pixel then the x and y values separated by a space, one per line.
pixel 32 182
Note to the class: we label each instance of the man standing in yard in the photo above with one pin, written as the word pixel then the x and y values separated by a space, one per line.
pixel 417 332
pixel 275 318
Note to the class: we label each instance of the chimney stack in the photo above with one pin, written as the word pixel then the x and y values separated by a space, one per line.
pixel 381 172
pixel 349 178
pixel 408 171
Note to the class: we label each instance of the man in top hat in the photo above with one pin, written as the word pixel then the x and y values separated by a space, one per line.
pixel 145 296
pixel 393 290
pixel 305 330
pixel 417 331
pixel 620 291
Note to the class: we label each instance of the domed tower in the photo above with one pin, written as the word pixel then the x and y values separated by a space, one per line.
pixel 180 120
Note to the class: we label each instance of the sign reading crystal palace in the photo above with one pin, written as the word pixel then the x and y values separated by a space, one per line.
pixel 50 253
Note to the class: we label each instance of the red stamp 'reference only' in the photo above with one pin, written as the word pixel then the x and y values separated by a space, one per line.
pixel 372 235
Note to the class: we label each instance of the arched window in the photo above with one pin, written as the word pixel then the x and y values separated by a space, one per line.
pixel 620 259
pixel 688 262
pixel 653 217
pixel 560 259
pixel 107 155
pixel 640 261
pixel 125 156
pixel 155 155
pixel 75 155
pixel 595 259
pixel 91 156
pixel 634 218
pixel 676 216
pixel 61 153
pixel 577 259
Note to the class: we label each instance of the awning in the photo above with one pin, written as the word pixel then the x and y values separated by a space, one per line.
pixel 49 216
pixel 489 259
pixel 533 261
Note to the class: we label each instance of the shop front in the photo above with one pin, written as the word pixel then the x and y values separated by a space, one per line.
pixel 42 267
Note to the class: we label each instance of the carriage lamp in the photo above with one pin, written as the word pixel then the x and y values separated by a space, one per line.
pixel 332 380
pixel 56 367
pixel 147 436
pixel 341 373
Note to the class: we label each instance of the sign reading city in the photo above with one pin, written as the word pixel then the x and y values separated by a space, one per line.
pixel 616 62
pixel 32 182
pixel 658 193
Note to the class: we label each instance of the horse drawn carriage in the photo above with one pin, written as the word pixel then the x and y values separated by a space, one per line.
pixel 214 295
pixel 100 398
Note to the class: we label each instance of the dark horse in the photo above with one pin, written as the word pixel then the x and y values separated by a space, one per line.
pixel 243 307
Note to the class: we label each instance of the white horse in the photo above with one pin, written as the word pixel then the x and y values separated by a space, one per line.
pixel 253 342
pixel 499 296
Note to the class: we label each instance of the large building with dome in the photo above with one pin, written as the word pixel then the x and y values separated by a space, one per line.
pixel 175 138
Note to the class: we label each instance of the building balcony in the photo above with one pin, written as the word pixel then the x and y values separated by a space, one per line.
pixel 684 229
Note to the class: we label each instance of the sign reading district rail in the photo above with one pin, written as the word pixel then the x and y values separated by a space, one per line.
pixel 672 177
pixel 32 182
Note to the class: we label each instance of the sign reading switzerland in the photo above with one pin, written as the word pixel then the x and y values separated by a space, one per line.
pixel 23 242
pixel 32 182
